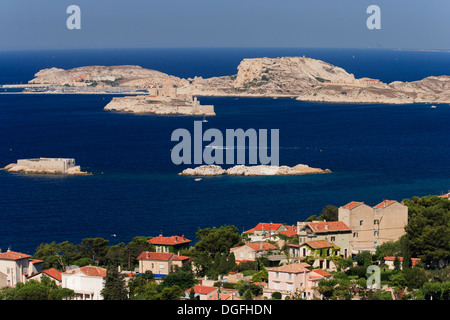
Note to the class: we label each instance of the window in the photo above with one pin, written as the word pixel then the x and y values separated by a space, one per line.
pixel 333 238
pixel 277 274
pixel 355 234
pixel 289 286
pixel 289 276
pixel 161 266
pixel 360 222
pixel 376 221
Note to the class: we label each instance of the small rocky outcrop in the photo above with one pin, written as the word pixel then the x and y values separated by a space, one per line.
pixel 258 170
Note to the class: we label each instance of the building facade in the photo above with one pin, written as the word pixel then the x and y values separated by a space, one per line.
pixel 87 282
pixel 372 226
pixel 15 267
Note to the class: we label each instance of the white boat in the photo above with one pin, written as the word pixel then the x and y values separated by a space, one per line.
pixel 434 107
pixel 198 179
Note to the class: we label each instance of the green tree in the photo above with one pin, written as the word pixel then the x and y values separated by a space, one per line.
pixel 181 278
pixel 428 229
pixel 133 249
pixel 58 256
pixel 115 287
pixel 61 294
pixel 330 213
pixel 192 294
pixel 217 240
pixel 247 295
pixel 231 261
pixel 32 290
pixel 95 248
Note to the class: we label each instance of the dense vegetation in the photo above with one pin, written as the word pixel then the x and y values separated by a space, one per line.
pixel 427 237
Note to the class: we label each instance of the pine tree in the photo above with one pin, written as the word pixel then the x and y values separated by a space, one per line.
pixel 115 287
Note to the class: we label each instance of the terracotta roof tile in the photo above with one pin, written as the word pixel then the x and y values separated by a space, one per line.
pixel 169 241
pixel 413 260
pixel 385 203
pixel 325 226
pixel 352 205
pixel 292 268
pixel 12 255
pixel 260 246
pixel 163 256
pixel 319 244
pixel 91 271
pixel 199 289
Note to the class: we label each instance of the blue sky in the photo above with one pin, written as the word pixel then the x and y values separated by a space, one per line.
pixel 406 24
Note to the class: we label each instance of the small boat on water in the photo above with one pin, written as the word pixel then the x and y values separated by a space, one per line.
pixel 197 179
pixel 433 107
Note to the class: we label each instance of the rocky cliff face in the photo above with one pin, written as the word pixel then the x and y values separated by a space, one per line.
pixel 126 76
pixel 300 77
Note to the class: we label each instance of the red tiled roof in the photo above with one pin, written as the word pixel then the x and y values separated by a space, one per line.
pixel 292 268
pixel 168 241
pixel 163 256
pixel 12 255
pixel 319 244
pixel 414 261
pixel 180 258
pixel 325 226
pixel 52 272
pixel 202 289
pixel 90 271
pixel 291 231
pixel 446 196
pixel 352 205
pixel 265 227
pixel 385 203
pixel 321 273
pixel 259 246
pixel 34 261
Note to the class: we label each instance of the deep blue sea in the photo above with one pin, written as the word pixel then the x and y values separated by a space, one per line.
pixel 376 152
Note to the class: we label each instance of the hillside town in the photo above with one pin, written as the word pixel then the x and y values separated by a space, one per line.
pixel 324 257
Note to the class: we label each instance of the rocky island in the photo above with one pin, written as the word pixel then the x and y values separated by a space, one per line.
pixel 302 78
pixel 258 170
pixel 45 166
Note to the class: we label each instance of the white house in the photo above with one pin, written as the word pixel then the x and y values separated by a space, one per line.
pixel 15 266
pixel 87 282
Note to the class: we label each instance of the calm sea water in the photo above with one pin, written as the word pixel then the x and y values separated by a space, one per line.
pixel 376 152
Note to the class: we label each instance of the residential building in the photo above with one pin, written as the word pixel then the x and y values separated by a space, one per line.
pixel 372 226
pixel 294 280
pixel 202 292
pixel 390 261
pixel 160 263
pixel 51 273
pixel 87 282
pixel 15 266
pixel 169 244
pixel 322 252
pixel 265 230
pixel 336 232
pixel 224 296
pixel 251 251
